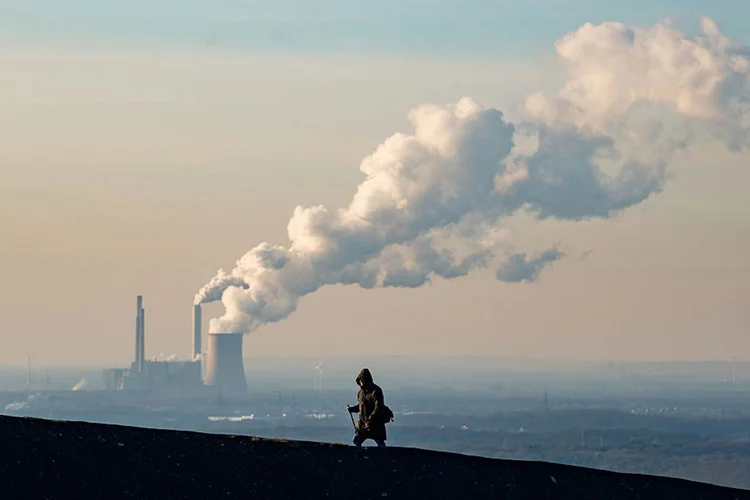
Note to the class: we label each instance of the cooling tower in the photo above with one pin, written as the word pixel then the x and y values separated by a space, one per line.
pixel 224 368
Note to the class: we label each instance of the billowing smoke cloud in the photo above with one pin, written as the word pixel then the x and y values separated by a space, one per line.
pixel 212 290
pixel 618 73
pixel 433 201
pixel 518 268
pixel 22 405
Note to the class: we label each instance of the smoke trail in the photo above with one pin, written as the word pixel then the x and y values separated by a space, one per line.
pixel 433 201
pixel 81 384
pixel 22 405
pixel 165 357
pixel 212 290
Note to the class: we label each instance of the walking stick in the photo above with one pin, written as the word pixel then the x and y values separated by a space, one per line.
pixel 352 418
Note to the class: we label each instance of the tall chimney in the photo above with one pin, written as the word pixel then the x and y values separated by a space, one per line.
pixel 197 331
pixel 140 336
pixel 138 308
pixel 142 354
pixel 224 368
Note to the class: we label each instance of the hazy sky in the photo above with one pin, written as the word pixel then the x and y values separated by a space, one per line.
pixel 145 146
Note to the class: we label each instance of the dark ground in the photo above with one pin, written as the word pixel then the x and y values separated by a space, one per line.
pixel 52 459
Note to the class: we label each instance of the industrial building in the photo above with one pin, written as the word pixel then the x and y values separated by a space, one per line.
pixel 224 367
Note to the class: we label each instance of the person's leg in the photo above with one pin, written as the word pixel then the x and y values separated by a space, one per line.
pixel 380 443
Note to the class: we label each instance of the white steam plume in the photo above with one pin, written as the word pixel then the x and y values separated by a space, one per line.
pixel 212 290
pixel 614 70
pixel 432 202
pixel 165 357
pixel 22 405
pixel 80 385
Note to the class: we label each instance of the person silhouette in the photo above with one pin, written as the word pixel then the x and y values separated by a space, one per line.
pixel 372 411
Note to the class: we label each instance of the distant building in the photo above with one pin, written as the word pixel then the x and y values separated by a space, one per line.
pixel 152 375
pixel 114 378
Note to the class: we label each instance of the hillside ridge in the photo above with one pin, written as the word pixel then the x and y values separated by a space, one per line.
pixel 61 459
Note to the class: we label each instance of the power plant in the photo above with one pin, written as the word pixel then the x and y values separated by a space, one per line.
pixel 224 369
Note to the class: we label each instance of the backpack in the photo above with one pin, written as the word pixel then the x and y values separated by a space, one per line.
pixel 387 415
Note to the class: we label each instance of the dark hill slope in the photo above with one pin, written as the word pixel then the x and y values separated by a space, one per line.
pixel 51 459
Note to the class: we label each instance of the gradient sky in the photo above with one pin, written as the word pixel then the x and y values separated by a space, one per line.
pixel 144 146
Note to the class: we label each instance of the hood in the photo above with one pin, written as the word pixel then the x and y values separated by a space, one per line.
pixel 365 376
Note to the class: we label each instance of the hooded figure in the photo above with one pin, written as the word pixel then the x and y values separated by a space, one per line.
pixel 370 403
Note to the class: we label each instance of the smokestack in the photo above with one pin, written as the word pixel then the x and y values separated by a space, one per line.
pixel 140 338
pixel 137 339
pixel 142 354
pixel 138 307
pixel 224 368
pixel 196 330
